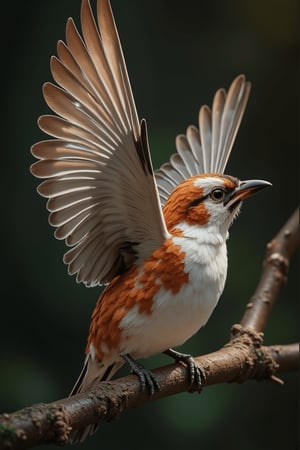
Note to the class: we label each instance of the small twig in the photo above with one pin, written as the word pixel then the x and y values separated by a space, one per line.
pixel 274 274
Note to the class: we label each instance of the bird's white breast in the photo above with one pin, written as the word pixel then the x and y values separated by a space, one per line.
pixel 176 317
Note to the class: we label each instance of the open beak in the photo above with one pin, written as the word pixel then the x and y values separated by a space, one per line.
pixel 245 190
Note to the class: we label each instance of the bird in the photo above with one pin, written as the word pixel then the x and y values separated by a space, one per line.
pixel 155 239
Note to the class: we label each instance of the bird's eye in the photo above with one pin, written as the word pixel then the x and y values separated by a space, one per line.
pixel 217 194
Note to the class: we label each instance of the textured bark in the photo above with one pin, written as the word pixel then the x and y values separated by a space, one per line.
pixel 243 358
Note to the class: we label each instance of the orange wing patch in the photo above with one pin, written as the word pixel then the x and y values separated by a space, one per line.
pixel 164 268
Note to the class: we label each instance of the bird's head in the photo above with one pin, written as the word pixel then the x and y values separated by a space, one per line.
pixel 209 201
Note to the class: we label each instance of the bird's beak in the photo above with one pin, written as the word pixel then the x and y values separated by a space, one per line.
pixel 245 190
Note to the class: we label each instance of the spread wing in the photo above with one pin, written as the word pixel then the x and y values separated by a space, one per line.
pixel 103 198
pixel 207 149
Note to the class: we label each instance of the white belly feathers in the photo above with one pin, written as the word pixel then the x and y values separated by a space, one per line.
pixel 176 317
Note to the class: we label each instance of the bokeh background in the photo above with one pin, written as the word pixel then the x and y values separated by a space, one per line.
pixel 178 53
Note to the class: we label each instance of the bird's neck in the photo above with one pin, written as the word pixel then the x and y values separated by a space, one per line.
pixel 203 234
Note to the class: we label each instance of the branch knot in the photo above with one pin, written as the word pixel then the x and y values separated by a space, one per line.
pixel 60 419
pixel 260 364
pixel 279 261
pixel 247 336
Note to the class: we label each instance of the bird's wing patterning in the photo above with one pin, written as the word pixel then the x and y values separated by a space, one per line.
pixel 207 149
pixel 103 198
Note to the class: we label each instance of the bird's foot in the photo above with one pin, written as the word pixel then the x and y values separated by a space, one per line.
pixel 196 375
pixel 147 378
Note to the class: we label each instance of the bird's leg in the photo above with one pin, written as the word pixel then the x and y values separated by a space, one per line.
pixel 196 375
pixel 147 378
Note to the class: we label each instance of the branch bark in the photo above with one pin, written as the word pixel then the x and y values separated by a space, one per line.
pixel 274 274
pixel 243 358
pixel 51 423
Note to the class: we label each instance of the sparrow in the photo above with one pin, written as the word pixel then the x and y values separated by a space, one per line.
pixel 156 239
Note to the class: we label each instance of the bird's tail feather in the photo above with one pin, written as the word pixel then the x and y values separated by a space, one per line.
pixel 93 371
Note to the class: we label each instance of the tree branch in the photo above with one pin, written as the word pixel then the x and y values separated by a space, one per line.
pixel 45 423
pixel 274 274
pixel 242 358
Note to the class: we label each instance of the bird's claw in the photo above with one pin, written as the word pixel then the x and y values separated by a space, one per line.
pixel 148 381
pixel 147 378
pixel 195 373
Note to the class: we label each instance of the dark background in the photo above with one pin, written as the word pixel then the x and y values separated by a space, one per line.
pixel 178 53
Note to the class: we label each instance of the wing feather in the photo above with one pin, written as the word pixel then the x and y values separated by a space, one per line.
pixel 102 195
pixel 207 149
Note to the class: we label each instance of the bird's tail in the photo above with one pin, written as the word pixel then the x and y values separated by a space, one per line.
pixel 93 371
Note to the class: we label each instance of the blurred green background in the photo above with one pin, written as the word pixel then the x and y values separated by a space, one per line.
pixel 178 53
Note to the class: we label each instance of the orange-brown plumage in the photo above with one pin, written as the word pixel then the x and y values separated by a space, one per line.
pixel 176 211
pixel 177 208
pixel 114 302
pixel 164 268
